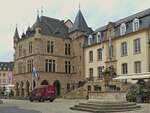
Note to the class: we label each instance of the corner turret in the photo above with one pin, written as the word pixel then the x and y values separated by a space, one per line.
pixel 16 35
pixel 80 24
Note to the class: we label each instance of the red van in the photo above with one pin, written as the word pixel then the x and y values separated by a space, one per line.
pixel 42 93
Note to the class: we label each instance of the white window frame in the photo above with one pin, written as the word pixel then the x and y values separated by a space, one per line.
pixel 137 45
pixel 136 24
pixel 124 49
pixel 98 37
pixel 122 29
pixel 90 39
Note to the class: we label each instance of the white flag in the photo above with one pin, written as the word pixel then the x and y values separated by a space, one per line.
pixel 34 72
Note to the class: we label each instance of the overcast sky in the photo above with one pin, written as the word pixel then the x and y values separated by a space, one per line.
pixel 23 12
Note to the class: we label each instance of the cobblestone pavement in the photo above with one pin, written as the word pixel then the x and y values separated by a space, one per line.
pixel 58 106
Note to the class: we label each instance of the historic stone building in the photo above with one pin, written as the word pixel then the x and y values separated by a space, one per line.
pixel 123 45
pixel 54 48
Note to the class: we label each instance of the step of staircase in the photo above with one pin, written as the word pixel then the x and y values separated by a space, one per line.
pixel 108 108
pixel 108 105
pixel 99 107
pixel 101 111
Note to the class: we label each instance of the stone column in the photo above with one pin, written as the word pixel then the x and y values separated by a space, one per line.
pixel 20 92
pixel 15 91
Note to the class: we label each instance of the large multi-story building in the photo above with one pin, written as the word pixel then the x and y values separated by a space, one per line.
pixel 54 48
pixel 6 75
pixel 124 44
pixel 66 53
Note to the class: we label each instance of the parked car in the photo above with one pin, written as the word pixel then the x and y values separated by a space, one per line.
pixel 42 93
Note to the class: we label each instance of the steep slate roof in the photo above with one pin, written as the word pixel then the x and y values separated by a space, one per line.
pixel 80 24
pixel 51 26
pixel 55 27
pixel 144 18
pixel 6 66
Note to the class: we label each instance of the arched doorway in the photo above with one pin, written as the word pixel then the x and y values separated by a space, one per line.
pixel 58 87
pixel 44 82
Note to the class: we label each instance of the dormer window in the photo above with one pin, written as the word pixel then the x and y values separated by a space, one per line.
pixel 90 39
pixel 135 24
pixel 98 37
pixel 122 29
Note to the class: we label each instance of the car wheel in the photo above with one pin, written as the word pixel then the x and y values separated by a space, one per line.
pixel 51 100
pixel 31 100
pixel 41 100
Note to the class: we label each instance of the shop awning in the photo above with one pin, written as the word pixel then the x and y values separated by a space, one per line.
pixel 133 76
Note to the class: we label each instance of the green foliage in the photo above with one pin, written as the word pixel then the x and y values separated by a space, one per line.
pixel 137 91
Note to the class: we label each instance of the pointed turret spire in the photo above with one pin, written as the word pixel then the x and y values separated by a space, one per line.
pixel 23 35
pixel 38 19
pixel 80 23
pixel 28 31
pixel 79 5
pixel 42 11
pixel 16 35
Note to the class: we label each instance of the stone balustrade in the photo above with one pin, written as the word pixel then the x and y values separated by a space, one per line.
pixel 108 96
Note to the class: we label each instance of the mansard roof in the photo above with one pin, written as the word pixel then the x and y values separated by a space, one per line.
pixel 80 24
pixel 144 22
pixel 144 17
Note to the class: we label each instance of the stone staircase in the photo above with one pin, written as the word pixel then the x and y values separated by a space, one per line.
pixel 79 93
pixel 105 107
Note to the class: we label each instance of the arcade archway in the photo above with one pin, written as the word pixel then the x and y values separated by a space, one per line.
pixel 58 87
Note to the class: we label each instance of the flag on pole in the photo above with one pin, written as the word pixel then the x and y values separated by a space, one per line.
pixel 34 73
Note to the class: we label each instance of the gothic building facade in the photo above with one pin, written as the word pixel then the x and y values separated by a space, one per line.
pixel 54 48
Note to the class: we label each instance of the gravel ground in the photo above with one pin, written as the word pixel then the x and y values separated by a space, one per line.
pixel 58 106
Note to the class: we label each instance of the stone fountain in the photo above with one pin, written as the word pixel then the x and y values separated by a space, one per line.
pixel 107 100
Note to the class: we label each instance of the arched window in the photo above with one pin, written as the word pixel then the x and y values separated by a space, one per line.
pixel 122 29
pixel 135 24
pixel 90 39
pixel 98 37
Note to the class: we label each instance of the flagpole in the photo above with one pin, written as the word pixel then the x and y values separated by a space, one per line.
pixel 110 52
pixel 31 82
pixel 32 79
